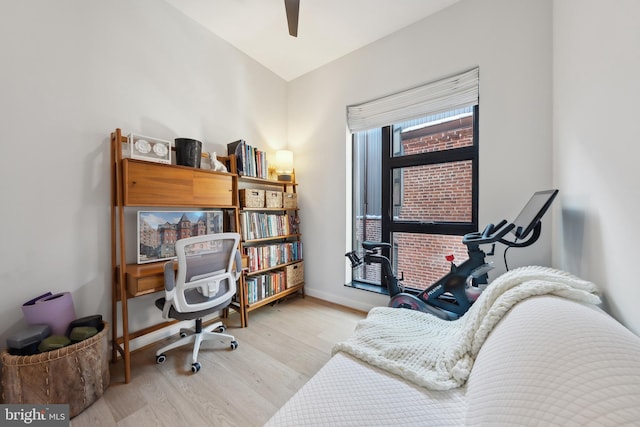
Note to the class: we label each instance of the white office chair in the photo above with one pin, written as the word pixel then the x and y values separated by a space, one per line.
pixel 205 283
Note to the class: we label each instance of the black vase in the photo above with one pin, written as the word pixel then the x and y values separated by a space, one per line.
pixel 188 152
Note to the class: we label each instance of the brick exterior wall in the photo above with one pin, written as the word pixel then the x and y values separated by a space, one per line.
pixel 421 257
pixel 440 192
pixel 438 138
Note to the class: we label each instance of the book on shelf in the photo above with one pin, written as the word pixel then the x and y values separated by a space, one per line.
pixel 265 285
pixel 268 256
pixel 261 225
pixel 236 148
pixel 249 160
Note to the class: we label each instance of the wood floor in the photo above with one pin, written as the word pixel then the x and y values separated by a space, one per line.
pixel 284 346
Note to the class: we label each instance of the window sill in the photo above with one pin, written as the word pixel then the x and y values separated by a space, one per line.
pixel 376 289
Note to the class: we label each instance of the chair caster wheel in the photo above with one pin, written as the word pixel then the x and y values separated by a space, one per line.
pixel 183 334
pixel 221 329
pixel 195 367
pixel 234 345
pixel 161 358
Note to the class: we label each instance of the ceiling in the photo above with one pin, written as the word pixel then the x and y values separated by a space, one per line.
pixel 328 29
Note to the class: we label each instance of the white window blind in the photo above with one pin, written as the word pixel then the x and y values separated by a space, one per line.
pixel 443 95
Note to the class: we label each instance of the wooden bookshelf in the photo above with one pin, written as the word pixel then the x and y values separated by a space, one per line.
pixel 290 235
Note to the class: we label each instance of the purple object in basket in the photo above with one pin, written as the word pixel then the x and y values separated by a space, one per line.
pixel 56 310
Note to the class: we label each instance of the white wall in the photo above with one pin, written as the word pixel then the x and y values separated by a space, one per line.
pixel 510 42
pixel 596 91
pixel 71 73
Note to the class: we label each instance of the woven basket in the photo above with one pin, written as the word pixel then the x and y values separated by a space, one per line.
pixel 273 199
pixel 295 274
pixel 251 198
pixel 76 375
pixel 290 200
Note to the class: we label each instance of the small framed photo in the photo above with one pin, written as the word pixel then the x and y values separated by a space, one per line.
pixel 158 231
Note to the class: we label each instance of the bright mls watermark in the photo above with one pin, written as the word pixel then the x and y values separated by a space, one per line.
pixel 34 415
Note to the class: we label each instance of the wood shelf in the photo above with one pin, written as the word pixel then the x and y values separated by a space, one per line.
pixel 275 267
pixel 286 187
pixel 273 298
pixel 267 209
pixel 264 181
pixel 268 239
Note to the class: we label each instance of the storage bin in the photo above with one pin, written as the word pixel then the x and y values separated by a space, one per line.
pixel 251 198
pixel 295 274
pixel 76 375
pixel 25 342
pixel 273 199
pixel 290 200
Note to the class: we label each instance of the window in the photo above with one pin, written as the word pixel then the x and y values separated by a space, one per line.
pixel 415 186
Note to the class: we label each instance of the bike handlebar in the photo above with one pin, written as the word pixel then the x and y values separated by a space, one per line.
pixel 369 245
pixel 490 234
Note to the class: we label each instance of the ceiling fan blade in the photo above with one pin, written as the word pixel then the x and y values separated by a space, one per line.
pixel 293 10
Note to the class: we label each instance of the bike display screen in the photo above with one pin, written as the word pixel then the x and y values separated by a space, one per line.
pixel 533 211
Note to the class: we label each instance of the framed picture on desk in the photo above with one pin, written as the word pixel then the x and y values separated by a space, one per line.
pixel 158 231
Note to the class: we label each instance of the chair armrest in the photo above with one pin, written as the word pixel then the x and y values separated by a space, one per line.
pixel 238 264
pixel 169 276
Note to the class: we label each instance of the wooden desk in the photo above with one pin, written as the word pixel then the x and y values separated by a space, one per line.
pixel 143 279
pixel 138 183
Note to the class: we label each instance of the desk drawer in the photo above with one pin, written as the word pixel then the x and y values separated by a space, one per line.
pixel 142 279
pixel 137 286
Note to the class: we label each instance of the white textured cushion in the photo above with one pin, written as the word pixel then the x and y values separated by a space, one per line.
pixel 551 361
pixel 348 392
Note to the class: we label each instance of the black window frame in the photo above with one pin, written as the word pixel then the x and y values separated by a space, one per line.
pixel 389 224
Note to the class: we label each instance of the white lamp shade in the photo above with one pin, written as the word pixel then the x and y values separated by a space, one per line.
pixel 284 161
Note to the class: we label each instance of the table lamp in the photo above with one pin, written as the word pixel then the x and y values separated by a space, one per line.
pixel 284 165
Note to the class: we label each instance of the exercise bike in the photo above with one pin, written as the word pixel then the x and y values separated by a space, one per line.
pixel 453 294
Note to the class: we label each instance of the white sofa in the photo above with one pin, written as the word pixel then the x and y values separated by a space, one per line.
pixel 549 360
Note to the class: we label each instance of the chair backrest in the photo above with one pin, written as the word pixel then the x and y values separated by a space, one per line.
pixel 206 275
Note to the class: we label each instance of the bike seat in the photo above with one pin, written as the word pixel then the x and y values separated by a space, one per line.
pixel 368 245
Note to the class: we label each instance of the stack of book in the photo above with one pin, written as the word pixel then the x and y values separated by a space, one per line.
pixel 260 225
pixel 249 160
pixel 265 285
pixel 267 256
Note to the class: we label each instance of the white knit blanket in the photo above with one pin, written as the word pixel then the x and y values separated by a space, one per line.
pixel 439 354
